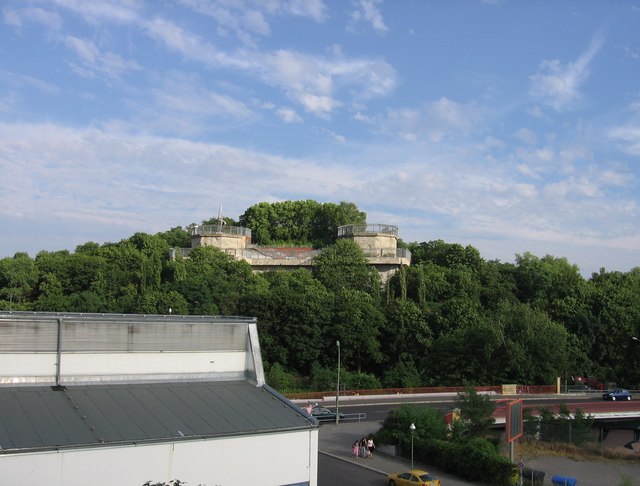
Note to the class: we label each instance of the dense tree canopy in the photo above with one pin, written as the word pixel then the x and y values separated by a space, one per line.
pixel 299 223
pixel 451 318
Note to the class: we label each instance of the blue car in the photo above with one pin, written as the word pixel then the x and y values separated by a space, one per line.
pixel 617 394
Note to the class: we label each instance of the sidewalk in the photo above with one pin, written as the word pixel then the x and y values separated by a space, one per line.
pixel 336 441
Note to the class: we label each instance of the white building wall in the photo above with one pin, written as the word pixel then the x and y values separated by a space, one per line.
pixel 79 364
pixel 41 367
pixel 266 459
pixel 18 368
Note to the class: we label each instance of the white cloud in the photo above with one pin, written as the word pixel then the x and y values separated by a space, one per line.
pixel 288 115
pixel 119 11
pixel 361 117
pixel 317 83
pixel 249 18
pixel 17 17
pixel 528 170
pixel 313 81
pixel 183 94
pixel 314 9
pixel 189 45
pixel 93 60
pixel 558 85
pixel 433 121
pixel 582 186
pixel 629 135
pixel 255 22
pixel 367 11
pixel 309 80
pixel 527 136
pixel 20 80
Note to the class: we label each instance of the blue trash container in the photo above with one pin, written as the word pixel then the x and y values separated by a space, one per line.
pixel 563 481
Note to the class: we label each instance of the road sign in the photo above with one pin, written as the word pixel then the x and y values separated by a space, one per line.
pixel 514 420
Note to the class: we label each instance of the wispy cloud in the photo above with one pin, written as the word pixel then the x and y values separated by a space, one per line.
pixel 189 45
pixel 249 19
pixel 18 17
pixel 433 121
pixel 288 115
pixel 557 84
pixel 312 81
pixel 121 12
pixel 93 60
pixel 368 11
pixel 629 135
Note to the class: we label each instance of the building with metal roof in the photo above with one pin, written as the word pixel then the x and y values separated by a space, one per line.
pixel 125 399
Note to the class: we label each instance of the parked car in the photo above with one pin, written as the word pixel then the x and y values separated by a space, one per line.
pixel 414 477
pixel 324 414
pixel 617 394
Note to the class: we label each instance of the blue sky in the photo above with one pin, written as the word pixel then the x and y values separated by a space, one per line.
pixel 512 126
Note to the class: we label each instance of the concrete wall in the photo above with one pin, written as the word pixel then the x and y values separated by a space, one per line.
pixel 222 241
pixel 375 241
pixel 267 460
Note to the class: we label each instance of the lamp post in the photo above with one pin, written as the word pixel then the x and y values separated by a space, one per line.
pixel 635 338
pixel 412 428
pixel 338 387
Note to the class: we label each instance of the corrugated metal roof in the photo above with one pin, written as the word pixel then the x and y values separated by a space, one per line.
pixel 37 418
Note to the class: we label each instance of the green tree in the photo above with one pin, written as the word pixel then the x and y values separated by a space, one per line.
pixel 429 423
pixel 476 415
pixel 293 311
pixel 537 347
pixel 176 237
pixel 357 321
pixel 51 297
pixel 329 217
pixel 214 283
pixel 406 330
pixel 299 223
pixel 615 316
pixel 344 266
pixel 18 280
pixel 403 373
pixel 466 355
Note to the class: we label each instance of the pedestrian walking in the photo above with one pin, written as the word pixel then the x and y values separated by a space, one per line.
pixel 370 447
pixel 355 449
pixel 363 447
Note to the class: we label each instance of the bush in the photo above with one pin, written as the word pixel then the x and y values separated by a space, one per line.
pixel 325 379
pixel 395 430
pixel 476 459
pixel 360 381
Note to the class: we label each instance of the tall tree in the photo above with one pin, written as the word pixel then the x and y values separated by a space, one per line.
pixel 357 321
pixel 344 266
pixel 18 279
pixel 299 223
pixel 293 314
pixel 476 414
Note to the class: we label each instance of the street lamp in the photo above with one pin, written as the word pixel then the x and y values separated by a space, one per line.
pixel 635 338
pixel 412 428
pixel 338 387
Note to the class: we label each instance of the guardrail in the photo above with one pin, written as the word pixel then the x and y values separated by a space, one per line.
pixel 216 229
pixel 354 417
pixel 350 229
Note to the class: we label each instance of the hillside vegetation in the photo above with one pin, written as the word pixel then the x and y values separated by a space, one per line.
pixel 451 318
